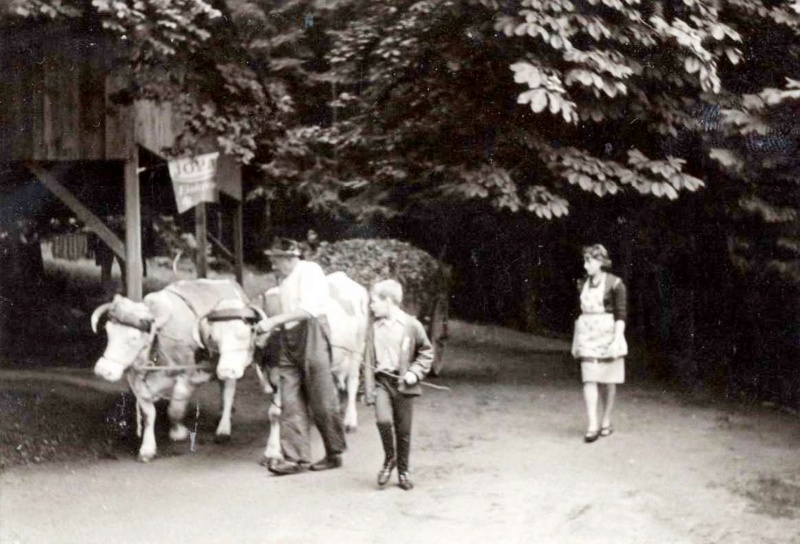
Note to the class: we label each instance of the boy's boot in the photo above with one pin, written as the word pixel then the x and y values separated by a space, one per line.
pixel 387 439
pixel 403 453
pixel 404 481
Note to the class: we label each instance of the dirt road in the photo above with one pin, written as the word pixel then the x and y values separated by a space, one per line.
pixel 500 459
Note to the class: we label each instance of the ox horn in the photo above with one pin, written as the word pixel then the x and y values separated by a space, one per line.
pixel 196 336
pixel 261 313
pixel 98 313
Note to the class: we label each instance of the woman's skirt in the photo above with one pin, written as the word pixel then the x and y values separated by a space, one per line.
pixel 593 335
pixel 603 370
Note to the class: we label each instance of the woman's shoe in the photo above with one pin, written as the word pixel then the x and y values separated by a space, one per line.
pixel 386 472
pixel 591 436
pixel 328 462
pixel 606 431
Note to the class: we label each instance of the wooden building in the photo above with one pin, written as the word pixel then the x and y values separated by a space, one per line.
pixel 65 102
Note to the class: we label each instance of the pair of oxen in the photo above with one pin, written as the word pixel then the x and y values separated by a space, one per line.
pixel 193 331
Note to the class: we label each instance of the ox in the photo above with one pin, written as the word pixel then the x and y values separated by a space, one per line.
pixel 152 343
pixel 348 317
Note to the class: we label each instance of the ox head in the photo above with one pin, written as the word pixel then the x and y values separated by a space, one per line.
pixel 228 330
pixel 130 327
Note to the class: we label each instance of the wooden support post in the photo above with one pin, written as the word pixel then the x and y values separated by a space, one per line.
pixel 200 229
pixel 238 242
pixel 133 231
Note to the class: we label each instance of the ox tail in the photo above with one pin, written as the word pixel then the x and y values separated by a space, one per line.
pixel 138 419
pixel 365 326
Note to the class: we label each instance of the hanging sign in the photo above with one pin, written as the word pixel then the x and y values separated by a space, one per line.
pixel 194 180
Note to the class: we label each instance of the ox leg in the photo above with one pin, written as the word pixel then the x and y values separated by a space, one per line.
pixel 147 451
pixel 223 433
pixel 350 413
pixel 273 450
pixel 177 409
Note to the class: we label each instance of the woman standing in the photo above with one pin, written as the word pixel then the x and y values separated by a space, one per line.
pixel 599 340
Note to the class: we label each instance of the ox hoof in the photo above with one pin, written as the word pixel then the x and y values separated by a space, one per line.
pixel 268 462
pixel 179 434
pixel 350 421
pixel 222 438
pixel 146 458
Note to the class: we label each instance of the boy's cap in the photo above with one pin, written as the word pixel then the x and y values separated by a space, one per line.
pixel 284 247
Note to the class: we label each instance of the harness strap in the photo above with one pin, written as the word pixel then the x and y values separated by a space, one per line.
pixel 191 306
pixel 246 314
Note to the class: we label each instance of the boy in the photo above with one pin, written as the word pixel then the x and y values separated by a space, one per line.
pixel 398 356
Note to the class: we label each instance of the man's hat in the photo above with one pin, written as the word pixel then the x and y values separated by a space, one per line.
pixel 284 247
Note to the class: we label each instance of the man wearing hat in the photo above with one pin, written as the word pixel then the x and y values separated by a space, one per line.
pixel 304 365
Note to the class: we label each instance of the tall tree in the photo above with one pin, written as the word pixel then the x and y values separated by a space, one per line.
pixel 428 107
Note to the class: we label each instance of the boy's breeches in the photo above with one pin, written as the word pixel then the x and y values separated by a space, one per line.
pixel 394 410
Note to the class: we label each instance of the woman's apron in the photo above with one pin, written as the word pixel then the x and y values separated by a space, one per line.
pixel 594 333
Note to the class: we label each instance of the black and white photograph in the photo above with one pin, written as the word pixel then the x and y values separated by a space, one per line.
pixel 400 271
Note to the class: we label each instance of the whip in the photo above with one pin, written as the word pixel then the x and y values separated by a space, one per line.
pixel 432 386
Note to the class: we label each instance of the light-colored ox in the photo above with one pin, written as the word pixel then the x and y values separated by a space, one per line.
pixel 152 343
pixel 348 317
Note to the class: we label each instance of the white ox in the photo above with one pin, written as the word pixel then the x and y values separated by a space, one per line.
pixel 152 344
pixel 348 317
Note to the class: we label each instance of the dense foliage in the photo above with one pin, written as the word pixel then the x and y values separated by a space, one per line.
pixel 528 104
pixel 427 104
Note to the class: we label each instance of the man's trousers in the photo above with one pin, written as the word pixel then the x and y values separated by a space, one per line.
pixel 308 391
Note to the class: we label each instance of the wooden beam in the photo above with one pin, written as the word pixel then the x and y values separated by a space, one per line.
pixel 200 230
pixel 238 242
pixel 83 213
pixel 133 231
pixel 220 246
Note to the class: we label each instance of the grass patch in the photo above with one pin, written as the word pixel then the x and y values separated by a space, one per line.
pixel 38 427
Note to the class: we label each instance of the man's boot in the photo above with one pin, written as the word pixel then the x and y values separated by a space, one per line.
pixel 328 463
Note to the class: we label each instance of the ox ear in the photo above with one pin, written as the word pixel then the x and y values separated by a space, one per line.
pixel 197 332
pixel 99 313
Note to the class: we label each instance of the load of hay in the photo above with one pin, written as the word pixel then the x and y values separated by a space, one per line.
pixel 425 280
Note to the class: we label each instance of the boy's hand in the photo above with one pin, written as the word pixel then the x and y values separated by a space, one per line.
pixel 410 378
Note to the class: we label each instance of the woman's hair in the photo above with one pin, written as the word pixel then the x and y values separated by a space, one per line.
pixel 389 289
pixel 599 252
